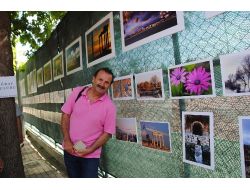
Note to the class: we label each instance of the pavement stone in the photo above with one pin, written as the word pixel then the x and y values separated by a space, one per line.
pixel 36 166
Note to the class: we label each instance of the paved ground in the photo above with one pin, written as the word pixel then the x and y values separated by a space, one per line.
pixel 36 165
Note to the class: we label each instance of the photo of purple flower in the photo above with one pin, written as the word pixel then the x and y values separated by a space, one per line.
pixel 192 80
pixel 198 81
pixel 177 76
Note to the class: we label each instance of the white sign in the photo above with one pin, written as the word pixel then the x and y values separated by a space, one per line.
pixel 8 87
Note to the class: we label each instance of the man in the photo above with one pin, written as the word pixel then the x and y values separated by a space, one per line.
pixel 90 119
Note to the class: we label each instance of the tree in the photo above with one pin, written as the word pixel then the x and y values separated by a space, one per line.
pixel 246 68
pixel 31 28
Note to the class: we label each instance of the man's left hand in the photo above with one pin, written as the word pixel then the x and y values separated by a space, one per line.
pixel 84 152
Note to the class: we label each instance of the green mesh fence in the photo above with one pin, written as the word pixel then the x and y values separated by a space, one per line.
pixel 202 38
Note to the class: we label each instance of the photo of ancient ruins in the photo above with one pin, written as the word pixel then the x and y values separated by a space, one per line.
pixel 244 122
pixel 198 142
pixel 99 41
pixel 149 85
pixel 235 71
pixel 123 88
pixel 156 135
pixel 126 129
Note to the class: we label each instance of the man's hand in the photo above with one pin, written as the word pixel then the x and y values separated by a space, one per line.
pixel 68 146
pixel 84 152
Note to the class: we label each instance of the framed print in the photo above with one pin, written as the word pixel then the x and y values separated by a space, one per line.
pixel 123 88
pixel 47 72
pixel 28 84
pixel 244 122
pixel 126 129
pixel 22 87
pixel 210 14
pixel 235 71
pixel 39 76
pixel 149 85
pixel 198 142
pixel 74 56
pixel 192 80
pixel 58 71
pixel 141 27
pixel 99 41
pixel 33 84
pixel 156 135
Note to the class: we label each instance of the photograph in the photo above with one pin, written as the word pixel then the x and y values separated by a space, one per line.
pixel 47 72
pixel 99 41
pixel 29 83
pixel 141 27
pixel 192 80
pixel 58 71
pixel 156 135
pixel 74 56
pixel 211 14
pixel 33 84
pixel 123 88
pixel 198 139
pixel 149 85
pixel 22 87
pixel 244 130
pixel 39 76
pixel 235 71
pixel 126 129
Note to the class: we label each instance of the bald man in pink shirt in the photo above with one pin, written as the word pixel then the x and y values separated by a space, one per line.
pixel 91 120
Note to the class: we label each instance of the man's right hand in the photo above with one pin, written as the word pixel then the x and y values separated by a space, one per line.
pixel 68 146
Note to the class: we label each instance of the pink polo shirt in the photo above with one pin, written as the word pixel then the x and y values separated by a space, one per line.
pixel 88 120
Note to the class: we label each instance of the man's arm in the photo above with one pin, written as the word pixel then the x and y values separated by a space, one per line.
pixel 98 143
pixel 68 145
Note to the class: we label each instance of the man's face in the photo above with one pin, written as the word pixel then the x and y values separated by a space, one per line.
pixel 102 82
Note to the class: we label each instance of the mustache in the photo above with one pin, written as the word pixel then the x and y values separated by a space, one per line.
pixel 102 87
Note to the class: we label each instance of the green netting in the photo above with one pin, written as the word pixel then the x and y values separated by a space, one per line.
pixel 202 38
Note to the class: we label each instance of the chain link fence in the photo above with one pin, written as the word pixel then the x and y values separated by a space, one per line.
pixel 202 38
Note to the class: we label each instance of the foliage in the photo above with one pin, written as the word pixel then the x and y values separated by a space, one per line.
pixel 33 27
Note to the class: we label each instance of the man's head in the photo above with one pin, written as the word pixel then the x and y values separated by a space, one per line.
pixel 102 80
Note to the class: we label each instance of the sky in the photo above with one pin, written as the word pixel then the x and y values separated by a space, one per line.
pixel 246 131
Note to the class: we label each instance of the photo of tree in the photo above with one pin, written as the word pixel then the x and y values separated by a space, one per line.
pixel 47 73
pixel 192 80
pixel 123 88
pixel 126 129
pixel 156 135
pixel 245 145
pixel 141 27
pixel 39 77
pixel 235 71
pixel 149 85
pixel 74 56
pixel 198 143
pixel 99 41
pixel 58 71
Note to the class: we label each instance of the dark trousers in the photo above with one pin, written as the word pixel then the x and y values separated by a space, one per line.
pixel 78 167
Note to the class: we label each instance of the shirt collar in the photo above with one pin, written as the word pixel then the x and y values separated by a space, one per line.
pixel 88 88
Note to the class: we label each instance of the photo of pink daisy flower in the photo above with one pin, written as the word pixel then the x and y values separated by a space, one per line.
pixel 177 76
pixel 198 81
